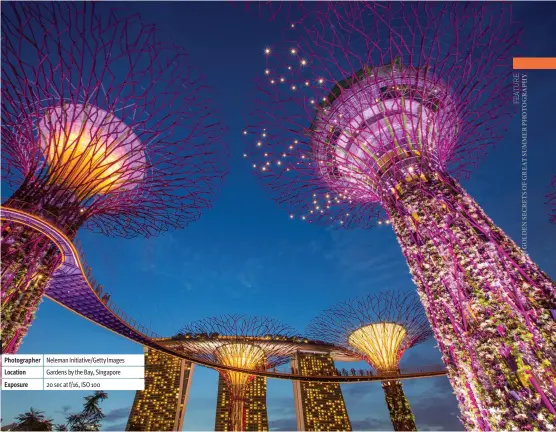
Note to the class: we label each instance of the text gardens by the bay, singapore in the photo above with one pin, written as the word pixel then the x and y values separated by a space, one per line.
pixel 364 114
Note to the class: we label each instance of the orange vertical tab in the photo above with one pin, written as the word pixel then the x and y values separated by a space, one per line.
pixel 534 62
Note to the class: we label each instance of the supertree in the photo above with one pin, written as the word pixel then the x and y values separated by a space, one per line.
pixel 551 201
pixel 366 115
pixel 103 125
pixel 251 343
pixel 378 328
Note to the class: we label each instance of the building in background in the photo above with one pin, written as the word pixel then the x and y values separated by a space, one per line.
pixel 318 406
pixel 161 406
pixel 256 418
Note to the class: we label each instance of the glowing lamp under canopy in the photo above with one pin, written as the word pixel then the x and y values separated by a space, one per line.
pixel 240 355
pixel 89 150
pixel 381 343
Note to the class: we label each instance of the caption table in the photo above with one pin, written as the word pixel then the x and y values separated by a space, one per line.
pixel 73 372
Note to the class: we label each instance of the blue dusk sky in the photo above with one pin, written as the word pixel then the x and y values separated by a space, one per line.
pixel 246 256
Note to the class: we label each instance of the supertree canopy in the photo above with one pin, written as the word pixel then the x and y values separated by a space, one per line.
pixel 378 328
pixel 251 343
pixel 367 114
pixel 103 125
pixel 551 201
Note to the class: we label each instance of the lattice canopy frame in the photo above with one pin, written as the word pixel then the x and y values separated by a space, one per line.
pixel 252 343
pixel 369 113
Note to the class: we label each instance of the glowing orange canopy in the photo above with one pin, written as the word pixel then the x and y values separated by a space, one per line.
pixel 90 150
pixel 381 343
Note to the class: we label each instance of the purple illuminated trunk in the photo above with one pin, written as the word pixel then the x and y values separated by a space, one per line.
pixel 28 260
pixel 488 304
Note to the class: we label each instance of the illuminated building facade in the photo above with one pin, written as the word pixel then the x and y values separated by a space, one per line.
pixel 256 418
pixel 318 406
pixel 161 406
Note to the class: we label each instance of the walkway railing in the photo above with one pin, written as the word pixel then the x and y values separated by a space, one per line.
pixel 110 304
pixel 72 286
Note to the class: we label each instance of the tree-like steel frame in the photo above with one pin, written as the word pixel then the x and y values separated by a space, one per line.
pixel 254 343
pixel 71 286
pixel 391 322
pixel 366 115
pixel 104 125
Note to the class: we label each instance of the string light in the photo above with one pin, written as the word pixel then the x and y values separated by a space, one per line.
pixel 320 81
pixel 267 51
pixel 267 71
pixel 259 143
pixel 282 79
pixel 303 62
pixel 293 51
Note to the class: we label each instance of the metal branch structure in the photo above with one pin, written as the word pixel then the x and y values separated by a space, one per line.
pixel 103 126
pixel 367 114
pixel 551 201
pixel 378 328
pixel 252 343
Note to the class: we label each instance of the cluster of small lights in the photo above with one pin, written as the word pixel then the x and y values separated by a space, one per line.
pixel 321 203
pixel 325 201
pixel 303 62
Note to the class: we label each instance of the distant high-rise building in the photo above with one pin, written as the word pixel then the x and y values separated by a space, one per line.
pixel 318 406
pixel 256 418
pixel 161 406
